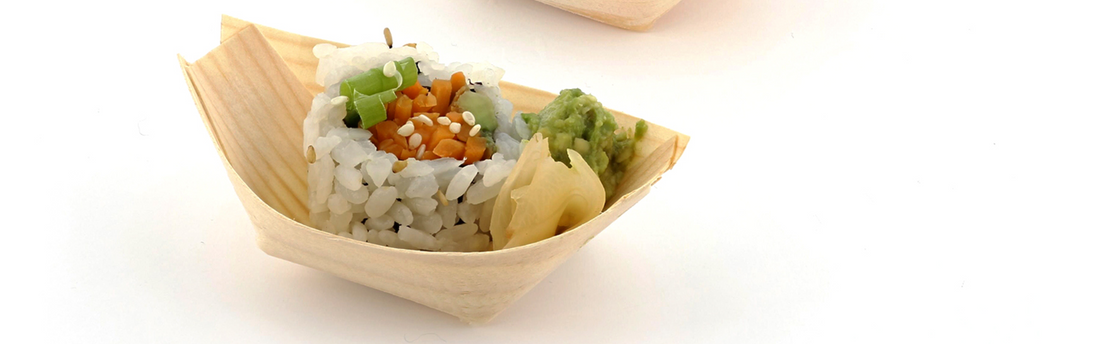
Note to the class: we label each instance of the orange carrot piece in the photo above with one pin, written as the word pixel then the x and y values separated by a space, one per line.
pixel 389 146
pixel 405 154
pixel 464 133
pixel 385 130
pixel 440 133
pixel 424 103
pixel 413 91
pixel 418 102
pixel 455 117
pixel 442 91
pixel 458 80
pixel 401 141
pixel 475 149
pixel 450 148
pixel 428 155
pixel 402 110
pixel 389 110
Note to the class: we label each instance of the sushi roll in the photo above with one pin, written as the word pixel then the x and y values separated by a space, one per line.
pixel 408 152
pixel 405 151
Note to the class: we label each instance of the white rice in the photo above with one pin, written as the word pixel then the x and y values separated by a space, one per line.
pixel 434 205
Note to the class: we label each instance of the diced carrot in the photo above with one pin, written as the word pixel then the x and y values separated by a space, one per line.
pixel 385 130
pixel 458 80
pixel 423 103
pixel 455 117
pixel 440 133
pixel 402 110
pixel 418 102
pixel 401 141
pixel 422 129
pixel 413 91
pixel 475 149
pixel 428 155
pixel 405 154
pixel 464 133
pixel 425 134
pixel 450 148
pixel 389 146
pixel 389 110
pixel 442 91
pixel 423 91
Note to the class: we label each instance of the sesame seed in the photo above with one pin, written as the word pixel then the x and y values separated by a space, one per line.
pixel 389 69
pixel 455 127
pixel 475 130
pixel 420 152
pixel 339 100
pixel 414 140
pixel 406 129
pixel 468 117
pixel 424 119
pixel 443 120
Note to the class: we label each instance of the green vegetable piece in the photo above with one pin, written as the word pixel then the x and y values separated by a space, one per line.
pixel 640 129
pixel 407 69
pixel 481 107
pixel 374 81
pixel 575 120
pixel 386 96
pixel 532 120
pixel 372 108
pixel 369 82
pixel 352 117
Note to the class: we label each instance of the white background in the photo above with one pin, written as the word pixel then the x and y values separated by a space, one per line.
pixel 864 172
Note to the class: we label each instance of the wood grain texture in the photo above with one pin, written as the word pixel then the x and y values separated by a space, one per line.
pixel 246 77
pixel 296 50
pixel 637 15
pixel 253 105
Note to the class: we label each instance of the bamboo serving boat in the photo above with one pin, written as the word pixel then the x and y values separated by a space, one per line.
pixel 253 92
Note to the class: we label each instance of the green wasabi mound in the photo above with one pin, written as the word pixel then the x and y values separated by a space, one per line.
pixel 577 121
